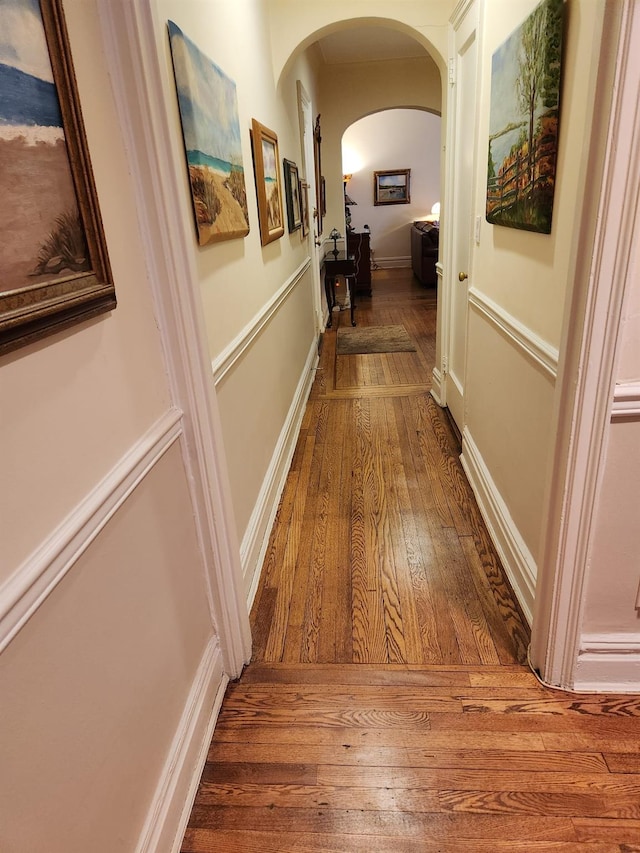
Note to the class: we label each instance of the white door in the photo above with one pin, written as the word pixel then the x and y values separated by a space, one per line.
pixel 461 201
pixel 308 170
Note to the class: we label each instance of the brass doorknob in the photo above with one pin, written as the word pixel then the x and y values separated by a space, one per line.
pixel 462 276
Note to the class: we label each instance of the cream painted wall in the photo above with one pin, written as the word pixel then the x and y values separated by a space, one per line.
pixel 237 278
pixel 94 687
pixel 352 91
pixel 509 404
pixel 294 26
pixel 95 681
pixel 393 139
pixel 613 576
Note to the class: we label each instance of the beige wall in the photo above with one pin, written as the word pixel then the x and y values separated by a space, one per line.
pixel 394 139
pixel 524 276
pixel 101 563
pixel 237 278
pixel 349 92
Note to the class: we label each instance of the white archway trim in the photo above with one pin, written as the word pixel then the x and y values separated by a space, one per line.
pixel 588 360
pixel 131 49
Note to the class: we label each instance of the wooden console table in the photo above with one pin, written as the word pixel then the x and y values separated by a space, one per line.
pixel 345 265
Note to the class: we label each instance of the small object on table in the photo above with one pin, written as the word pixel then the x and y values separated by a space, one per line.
pixel 340 264
pixel 335 236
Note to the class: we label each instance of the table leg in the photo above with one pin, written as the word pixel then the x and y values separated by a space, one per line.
pixel 330 293
pixel 350 280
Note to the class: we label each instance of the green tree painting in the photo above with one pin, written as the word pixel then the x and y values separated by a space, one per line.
pixel 523 127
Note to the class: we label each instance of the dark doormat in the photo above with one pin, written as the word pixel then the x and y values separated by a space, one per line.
pixel 374 339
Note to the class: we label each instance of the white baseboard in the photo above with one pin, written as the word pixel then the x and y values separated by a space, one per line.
pixel 171 806
pixel 608 663
pixel 256 537
pixel 516 558
pixel 394 263
pixel 436 386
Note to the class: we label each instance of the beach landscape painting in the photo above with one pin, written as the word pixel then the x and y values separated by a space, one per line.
pixel 208 107
pixel 523 124
pixel 392 186
pixel 54 269
pixel 268 184
pixel 42 234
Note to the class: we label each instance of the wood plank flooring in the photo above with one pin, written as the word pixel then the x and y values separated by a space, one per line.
pixel 388 706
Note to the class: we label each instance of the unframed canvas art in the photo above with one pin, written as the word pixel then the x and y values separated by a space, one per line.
pixel 211 130
pixel 523 129
pixel 43 237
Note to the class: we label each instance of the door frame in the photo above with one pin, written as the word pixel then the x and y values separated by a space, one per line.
pixel 467 10
pixel 130 44
pixel 586 378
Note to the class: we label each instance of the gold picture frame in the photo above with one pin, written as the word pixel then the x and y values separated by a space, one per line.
pixel 61 275
pixel 266 162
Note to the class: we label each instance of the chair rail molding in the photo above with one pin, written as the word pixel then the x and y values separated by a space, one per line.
pixel 233 352
pixel 24 592
pixel 534 347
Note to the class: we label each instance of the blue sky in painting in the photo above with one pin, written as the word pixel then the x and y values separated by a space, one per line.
pixel 505 108
pixel 22 41
pixel 208 103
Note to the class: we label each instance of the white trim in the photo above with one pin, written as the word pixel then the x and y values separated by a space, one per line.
pixel 458 14
pixel 608 663
pixel 223 362
pixel 626 401
pixel 137 71
pixel 603 276
pixel 533 346
pixel 516 558
pixel 176 790
pixel 400 262
pixel 436 386
pixel 256 537
pixel 43 570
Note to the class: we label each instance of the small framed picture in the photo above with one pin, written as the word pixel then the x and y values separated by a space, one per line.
pixel 392 186
pixel 292 191
pixel 266 163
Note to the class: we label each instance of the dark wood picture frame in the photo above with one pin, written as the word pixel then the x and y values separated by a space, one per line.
pixel 29 313
pixel 304 207
pixel 266 162
pixel 392 186
pixel 317 162
pixel 292 192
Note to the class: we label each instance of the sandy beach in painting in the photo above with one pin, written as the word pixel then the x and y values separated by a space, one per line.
pixel 36 187
pixel 229 220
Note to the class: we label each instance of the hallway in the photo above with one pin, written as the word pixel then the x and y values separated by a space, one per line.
pixel 388 705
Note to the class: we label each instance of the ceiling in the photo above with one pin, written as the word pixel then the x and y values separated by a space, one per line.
pixel 364 44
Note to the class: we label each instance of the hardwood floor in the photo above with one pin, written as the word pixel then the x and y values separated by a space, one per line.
pixel 388 706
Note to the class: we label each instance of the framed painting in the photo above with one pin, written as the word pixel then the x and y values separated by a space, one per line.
pixel 292 191
pixel 54 267
pixel 304 207
pixel 318 212
pixel 523 123
pixel 208 106
pixel 392 186
pixel 265 161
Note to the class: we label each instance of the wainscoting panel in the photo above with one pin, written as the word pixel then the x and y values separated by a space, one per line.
pixel 39 575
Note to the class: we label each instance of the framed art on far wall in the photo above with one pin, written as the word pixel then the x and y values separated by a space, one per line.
pixel 304 207
pixel 392 187
pixel 54 271
pixel 268 188
pixel 292 191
